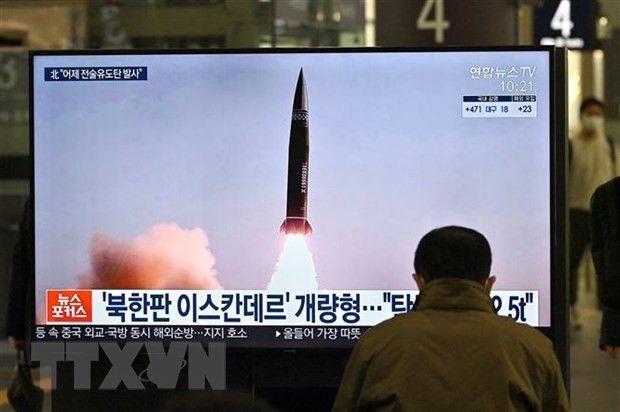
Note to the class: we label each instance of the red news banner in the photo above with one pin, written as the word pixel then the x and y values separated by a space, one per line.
pixel 253 307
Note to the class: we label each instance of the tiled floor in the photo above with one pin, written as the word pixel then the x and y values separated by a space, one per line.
pixel 595 377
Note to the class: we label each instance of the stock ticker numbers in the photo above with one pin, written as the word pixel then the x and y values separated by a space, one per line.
pixel 504 106
pixel 517 81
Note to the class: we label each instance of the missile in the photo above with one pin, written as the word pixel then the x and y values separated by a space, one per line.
pixel 296 221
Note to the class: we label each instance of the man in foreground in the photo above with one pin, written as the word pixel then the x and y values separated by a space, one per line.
pixel 453 352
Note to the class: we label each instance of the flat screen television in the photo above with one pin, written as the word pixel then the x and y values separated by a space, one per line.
pixel 274 198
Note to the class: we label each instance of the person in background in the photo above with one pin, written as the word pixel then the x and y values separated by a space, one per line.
pixel 453 352
pixel 593 161
pixel 20 311
pixel 606 256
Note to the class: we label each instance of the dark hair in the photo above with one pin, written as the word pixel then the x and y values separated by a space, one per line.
pixel 453 252
pixel 590 101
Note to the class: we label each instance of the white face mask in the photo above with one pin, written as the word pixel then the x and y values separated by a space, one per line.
pixel 593 123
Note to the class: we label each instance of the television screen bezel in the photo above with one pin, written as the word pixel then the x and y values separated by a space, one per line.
pixel 558 329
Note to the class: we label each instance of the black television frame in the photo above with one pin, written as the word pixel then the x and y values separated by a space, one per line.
pixel 277 367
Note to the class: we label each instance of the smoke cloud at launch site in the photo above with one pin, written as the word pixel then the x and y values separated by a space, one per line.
pixel 164 257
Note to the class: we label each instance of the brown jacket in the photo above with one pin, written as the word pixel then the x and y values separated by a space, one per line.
pixel 452 354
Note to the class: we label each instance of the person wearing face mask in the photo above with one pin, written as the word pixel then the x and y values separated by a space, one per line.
pixel 593 160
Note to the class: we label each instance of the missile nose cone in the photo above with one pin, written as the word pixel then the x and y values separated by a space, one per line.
pixel 301 96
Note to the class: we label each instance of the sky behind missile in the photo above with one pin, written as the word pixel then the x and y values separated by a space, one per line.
pixel 203 143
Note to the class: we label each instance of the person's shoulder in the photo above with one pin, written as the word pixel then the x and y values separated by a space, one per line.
pixel 396 320
pixel 608 188
pixel 383 337
pixel 520 328
pixel 526 335
pixel 387 329
pixel 613 184
pixel 528 344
